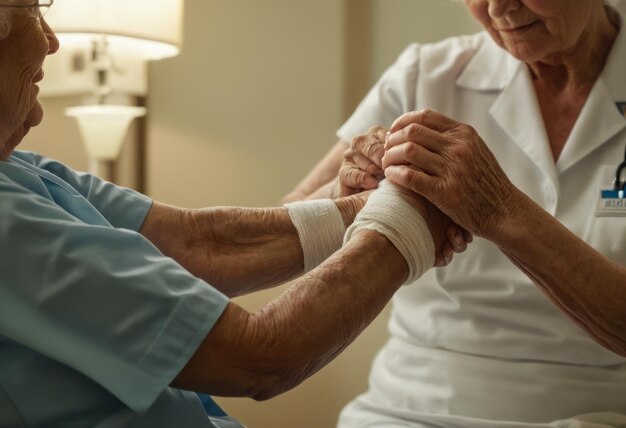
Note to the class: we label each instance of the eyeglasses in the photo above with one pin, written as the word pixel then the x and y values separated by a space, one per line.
pixel 36 8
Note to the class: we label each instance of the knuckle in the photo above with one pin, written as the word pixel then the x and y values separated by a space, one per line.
pixel 357 141
pixel 466 129
pixel 373 130
pixel 426 112
pixel 412 129
pixel 373 149
pixel 410 150
pixel 372 169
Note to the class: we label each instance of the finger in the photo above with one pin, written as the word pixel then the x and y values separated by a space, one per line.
pixel 413 154
pixel 418 181
pixel 366 165
pixel 456 238
pixel 469 238
pixel 352 176
pixel 371 146
pixel 419 134
pixel 444 257
pixel 426 117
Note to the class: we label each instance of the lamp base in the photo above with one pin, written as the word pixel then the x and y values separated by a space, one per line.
pixel 104 169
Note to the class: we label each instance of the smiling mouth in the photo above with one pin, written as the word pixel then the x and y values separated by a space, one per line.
pixel 518 30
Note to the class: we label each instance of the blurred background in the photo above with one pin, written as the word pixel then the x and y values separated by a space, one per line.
pixel 243 113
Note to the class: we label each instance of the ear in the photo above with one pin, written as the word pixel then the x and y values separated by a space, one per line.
pixel 5 25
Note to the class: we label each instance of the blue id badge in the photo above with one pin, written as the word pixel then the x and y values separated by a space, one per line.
pixel 611 204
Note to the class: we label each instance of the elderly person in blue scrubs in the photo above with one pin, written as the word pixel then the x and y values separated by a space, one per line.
pixel 107 317
pixel 513 132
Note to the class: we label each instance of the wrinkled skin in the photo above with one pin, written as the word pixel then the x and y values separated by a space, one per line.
pixel 362 170
pixel 448 163
pixel 22 53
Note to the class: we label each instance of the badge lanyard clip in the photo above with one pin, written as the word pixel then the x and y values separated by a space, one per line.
pixel 618 183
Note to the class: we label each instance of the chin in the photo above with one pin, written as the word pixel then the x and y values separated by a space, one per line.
pixel 36 116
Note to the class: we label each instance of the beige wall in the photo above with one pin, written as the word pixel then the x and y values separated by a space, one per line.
pixel 249 106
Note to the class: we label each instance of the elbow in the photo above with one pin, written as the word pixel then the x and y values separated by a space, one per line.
pixel 609 335
pixel 275 376
pixel 615 345
pixel 279 363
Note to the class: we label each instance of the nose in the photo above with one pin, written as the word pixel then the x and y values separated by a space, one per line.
pixel 53 41
pixel 501 8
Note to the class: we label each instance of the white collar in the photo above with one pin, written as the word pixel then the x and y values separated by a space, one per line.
pixel 491 67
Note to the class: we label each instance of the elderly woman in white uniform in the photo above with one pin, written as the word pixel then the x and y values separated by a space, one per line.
pixel 107 317
pixel 529 326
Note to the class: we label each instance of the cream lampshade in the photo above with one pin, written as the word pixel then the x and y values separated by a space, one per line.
pixel 118 35
pixel 151 29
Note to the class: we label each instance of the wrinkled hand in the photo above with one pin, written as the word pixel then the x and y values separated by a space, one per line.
pixel 362 163
pixel 448 163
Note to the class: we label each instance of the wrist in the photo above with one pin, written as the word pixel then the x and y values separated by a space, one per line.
pixel 349 206
pixel 393 213
pixel 320 227
pixel 514 220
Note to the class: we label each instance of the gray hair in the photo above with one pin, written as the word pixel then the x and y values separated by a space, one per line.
pixel 6 19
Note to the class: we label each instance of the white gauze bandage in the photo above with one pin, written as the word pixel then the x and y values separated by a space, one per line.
pixel 320 229
pixel 388 212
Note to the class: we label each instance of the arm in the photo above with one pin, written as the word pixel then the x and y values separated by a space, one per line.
pixel 440 159
pixel 587 286
pixel 237 250
pixel 263 354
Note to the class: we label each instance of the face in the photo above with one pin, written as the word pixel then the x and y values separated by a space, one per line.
pixel 535 30
pixel 22 53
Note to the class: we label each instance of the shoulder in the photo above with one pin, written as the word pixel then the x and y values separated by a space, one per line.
pixel 43 162
pixel 452 54
pixel 446 59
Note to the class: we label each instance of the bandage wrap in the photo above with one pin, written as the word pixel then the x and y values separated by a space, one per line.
pixel 388 212
pixel 320 229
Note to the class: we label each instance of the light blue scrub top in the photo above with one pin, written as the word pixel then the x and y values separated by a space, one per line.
pixel 95 322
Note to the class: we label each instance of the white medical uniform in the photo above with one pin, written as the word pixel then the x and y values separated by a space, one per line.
pixel 476 344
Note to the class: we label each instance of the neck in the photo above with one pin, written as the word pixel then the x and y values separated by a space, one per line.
pixel 8 142
pixel 580 66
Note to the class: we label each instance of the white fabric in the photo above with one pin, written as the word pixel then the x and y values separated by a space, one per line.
pixel 320 229
pixel 389 213
pixel 481 306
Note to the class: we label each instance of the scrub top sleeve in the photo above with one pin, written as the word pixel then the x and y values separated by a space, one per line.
pixel 122 207
pixel 394 94
pixel 100 300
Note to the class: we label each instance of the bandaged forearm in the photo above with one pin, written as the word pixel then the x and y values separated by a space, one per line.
pixel 388 212
pixel 320 229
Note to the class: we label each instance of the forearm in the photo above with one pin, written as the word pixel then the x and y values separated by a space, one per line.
pixel 237 250
pixel 586 285
pixel 294 336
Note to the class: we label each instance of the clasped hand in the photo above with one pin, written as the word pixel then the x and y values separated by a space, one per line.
pixel 363 168
pixel 448 163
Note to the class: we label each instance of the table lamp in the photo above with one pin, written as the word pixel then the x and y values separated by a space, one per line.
pixel 118 37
